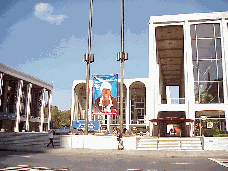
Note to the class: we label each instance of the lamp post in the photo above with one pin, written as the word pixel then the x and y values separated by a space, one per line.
pixel 122 56
pixel 89 58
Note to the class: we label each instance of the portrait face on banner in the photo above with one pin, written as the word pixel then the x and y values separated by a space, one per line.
pixel 105 94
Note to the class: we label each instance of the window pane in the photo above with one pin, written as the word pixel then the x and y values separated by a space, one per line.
pixel 221 99
pixel 205 30
pixel 207 70
pixel 218 48
pixel 220 71
pixel 208 92
pixel 192 31
pixel 195 71
pixel 217 30
pixel 193 49
pixel 206 49
pixel 196 90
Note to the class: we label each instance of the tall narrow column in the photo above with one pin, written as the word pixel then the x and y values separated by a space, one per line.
pixel 28 101
pixel 89 58
pixel 18 104
pixel 127 113
pixel 49 108
pixel 1 85
pixel 5 101
pixel 42 109
pixel 122 56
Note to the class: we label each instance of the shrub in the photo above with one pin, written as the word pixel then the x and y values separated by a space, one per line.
pixel 221 135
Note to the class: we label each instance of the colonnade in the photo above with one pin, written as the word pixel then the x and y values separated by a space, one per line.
pixel 23 101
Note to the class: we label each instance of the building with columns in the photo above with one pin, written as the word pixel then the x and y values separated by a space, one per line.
pixel 23 105
pixel 187 84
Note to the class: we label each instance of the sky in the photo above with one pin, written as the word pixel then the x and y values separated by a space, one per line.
pixel 48 39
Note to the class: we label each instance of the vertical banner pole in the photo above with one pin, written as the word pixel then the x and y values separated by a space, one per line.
pixel 122 69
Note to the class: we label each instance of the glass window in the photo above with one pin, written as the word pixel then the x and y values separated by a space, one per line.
pixel 195 70
pixel 208 92
pixel 204 30
pixel 207 70
pixel 194 54
pixel 193 31
pixel 218 48
pixel 206 48
pixel 217 30
pixel 220 71
pixel 207 63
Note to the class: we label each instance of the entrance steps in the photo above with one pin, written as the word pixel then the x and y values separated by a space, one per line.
pixel 170 143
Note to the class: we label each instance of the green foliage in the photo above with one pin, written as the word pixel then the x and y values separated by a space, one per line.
pixel 210 132
pixel 59 118
pixel 221 135
pixel 205 97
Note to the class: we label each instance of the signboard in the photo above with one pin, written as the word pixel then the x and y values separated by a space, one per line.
pixel 209 124
pixel 105 94
pixel 80 124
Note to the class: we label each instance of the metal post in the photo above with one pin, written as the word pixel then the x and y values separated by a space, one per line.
pixel 122 69
pixel 88 60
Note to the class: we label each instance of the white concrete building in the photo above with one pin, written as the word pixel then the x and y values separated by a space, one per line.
pixel 187 84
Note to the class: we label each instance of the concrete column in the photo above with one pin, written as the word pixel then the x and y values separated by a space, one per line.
pixel 151 95
pixel 5 102
pixel 42 109
pixel 49 108
pixel 127 114
pixel 1 86
pixel 18 104
pixel 28 101
pixel 189 83
pixel 224 42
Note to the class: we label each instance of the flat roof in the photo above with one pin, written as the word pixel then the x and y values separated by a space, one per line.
pixel 186 17
pixel 25 77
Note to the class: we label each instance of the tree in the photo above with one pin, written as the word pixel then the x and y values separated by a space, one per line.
pixel 59 118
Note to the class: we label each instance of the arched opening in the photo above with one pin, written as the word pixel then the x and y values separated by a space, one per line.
pixel 137 103
pixel 79 101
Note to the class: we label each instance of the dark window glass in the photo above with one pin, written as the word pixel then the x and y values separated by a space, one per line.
pixel 192 31
pixel 221 99
pixel 196 90
pixel 207 70
pixel 194 49
pixel 206 49
pixel 208 92
pixel 217 30
pixel 218 48
pixel 220 71
pixel 204 30
pixel 195 71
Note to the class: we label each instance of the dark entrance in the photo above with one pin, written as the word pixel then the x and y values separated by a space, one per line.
pixel 173 119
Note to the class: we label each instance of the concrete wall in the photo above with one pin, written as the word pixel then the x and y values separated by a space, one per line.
pixel 215 143
pixel 95 142
pixel 89 141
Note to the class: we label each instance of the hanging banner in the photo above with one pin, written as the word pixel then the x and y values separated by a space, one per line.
pixel 105 94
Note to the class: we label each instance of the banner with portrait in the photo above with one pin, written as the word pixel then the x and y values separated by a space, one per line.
pixel 105 94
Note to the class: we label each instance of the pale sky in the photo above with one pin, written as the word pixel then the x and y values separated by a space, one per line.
pixel 48 39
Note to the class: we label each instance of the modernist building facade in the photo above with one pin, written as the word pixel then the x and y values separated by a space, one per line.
pixel 23 105
pixel 188 53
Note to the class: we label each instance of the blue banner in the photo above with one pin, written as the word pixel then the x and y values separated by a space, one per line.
pixel 80 124
pixel 105 94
